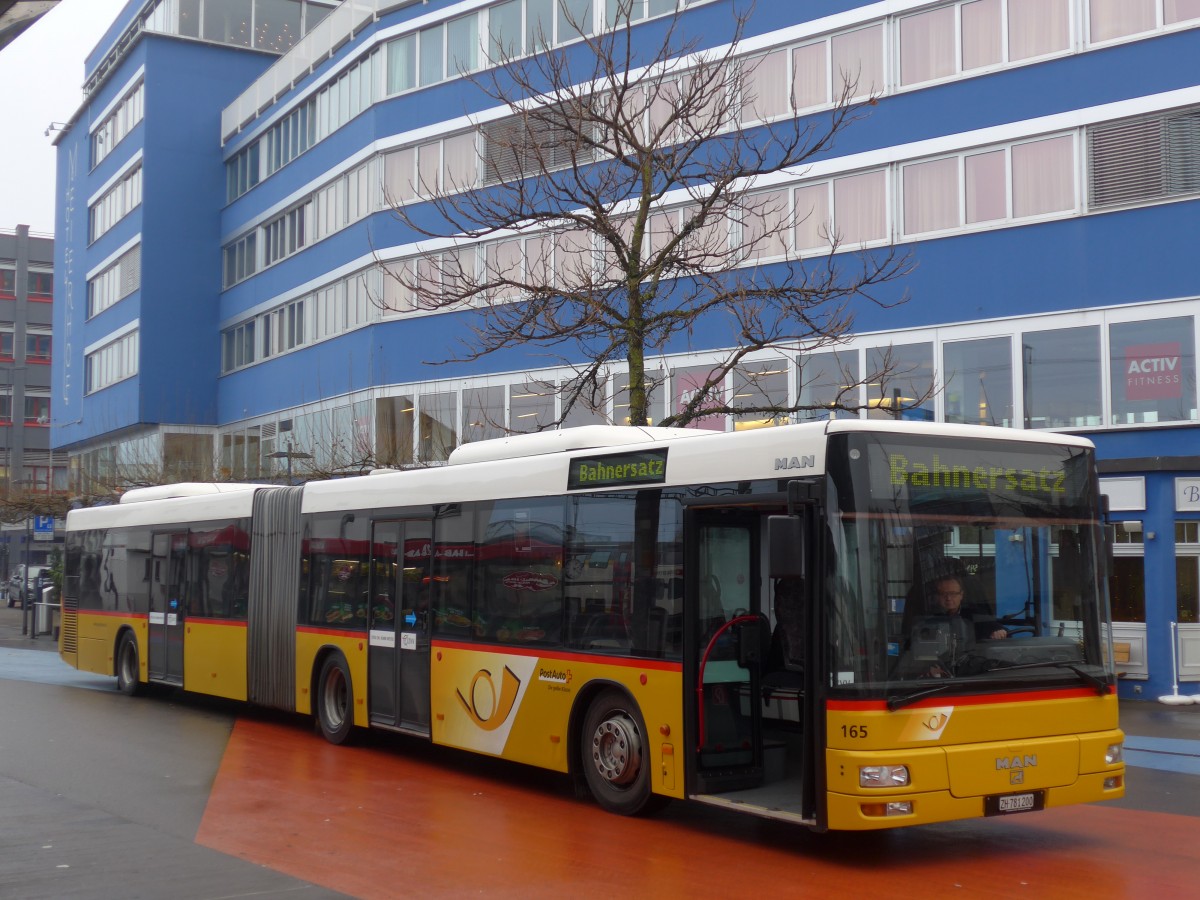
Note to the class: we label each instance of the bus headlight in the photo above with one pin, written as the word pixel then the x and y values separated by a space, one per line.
pixel 882 776
pixel 1114 754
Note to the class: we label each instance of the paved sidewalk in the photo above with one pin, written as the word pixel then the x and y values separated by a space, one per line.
pixel 11 636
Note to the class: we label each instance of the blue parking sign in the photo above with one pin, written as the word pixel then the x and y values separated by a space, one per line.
pixel 43 528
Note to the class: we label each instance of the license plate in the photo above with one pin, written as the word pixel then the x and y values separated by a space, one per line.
pixel 1016 803
pixel 1013 803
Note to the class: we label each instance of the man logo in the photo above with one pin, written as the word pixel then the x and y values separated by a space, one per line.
pixel 484 709
pixel 794 462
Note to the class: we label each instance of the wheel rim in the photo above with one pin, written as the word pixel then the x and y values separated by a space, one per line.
pixel 335 701
pixel 128 676
pixel 617 749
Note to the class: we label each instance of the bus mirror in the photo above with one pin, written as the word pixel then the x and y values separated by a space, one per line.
pixel 785 539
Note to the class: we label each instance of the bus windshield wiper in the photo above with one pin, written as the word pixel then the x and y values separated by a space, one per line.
pixel 1099 684
pixel 902 700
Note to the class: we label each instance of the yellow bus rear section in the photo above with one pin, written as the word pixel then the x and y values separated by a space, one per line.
pixel 958 755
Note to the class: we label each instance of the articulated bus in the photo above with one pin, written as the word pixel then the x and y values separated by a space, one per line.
pixel 751 619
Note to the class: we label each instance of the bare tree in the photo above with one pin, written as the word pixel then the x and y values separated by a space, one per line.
pixel 627 195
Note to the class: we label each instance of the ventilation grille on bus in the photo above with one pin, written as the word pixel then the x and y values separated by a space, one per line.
pixel 69 627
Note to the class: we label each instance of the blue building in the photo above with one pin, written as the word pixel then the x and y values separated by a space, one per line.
pixel 225 234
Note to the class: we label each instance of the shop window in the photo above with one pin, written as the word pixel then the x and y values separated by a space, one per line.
pixel 978 381
pixel 589 408
pixel 686 381
pixel 483 414
pixel 827 380
pixel 439 428
pixel 654 401
pixel 531 407
pixel 761 384
pixel 1127 588
pixel 1187 589
pixel 1152 371
pixel 900 382
pixel 1061 374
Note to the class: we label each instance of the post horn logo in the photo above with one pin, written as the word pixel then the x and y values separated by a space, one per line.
pixel 484 708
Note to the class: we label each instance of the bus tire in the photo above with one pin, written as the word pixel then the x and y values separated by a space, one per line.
pixel 335 700
pixel 615 755
pixel 128 666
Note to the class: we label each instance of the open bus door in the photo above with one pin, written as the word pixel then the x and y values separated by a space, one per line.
pixel 729 630
pixel 750 628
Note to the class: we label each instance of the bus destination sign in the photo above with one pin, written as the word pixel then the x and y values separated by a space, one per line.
pixel 618 470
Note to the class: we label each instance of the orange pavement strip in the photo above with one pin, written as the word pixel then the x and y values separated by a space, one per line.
pixel 399 818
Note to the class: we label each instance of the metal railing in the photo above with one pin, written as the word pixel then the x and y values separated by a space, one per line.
pixel 342 23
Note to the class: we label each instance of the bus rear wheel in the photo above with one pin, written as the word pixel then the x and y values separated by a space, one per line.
pixel 335 701
pixel 614 755
pixel 128 666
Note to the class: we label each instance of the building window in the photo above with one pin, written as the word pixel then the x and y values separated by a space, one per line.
pixel 978 381
pixel 1152 371
pixel 686 383
pixel 1111 19
pixel 285 235
pixel 531 406
pixel 860 208
pixel 826 380
pixel 116 203
pixel 900 381
pixel 112 363
pixel 40 285
pixel 1061 376
pixel 37 410
pixel 1038 28
pixel 761 384
pixel 116 282
pixel 6 342
pixel 8 283
pixel 858 63
pixel 37 348
pixel 1187 572
pixel 118 123
pixel 927 50
pixel 1142 160
pixel 241 259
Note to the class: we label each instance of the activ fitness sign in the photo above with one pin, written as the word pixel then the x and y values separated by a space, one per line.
pixel 1153 371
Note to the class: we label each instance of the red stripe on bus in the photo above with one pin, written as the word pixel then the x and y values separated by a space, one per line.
pixel 969 700
pixel 110 612
pixel 204 620
pixel 635 663
pixel 331 632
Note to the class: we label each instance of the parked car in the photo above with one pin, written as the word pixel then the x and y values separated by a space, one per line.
pixel 32 581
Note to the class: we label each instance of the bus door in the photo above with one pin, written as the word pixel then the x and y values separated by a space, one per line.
pixel 167 580
pixel 398 660
pixel 727 636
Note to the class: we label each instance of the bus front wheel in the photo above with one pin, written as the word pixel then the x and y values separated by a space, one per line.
pixel 614 755
pixel 335 701
pixel 128 667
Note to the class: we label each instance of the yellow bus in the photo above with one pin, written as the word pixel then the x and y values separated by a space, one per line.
pixel 846 624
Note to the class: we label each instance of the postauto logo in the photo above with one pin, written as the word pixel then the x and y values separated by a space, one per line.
pixel 487 709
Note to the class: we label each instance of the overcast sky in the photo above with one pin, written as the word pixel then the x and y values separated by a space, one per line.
pixel 41 81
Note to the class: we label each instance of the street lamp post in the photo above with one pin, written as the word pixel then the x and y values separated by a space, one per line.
pixel 289 454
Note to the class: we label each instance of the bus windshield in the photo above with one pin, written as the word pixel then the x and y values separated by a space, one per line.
pixel 962 565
